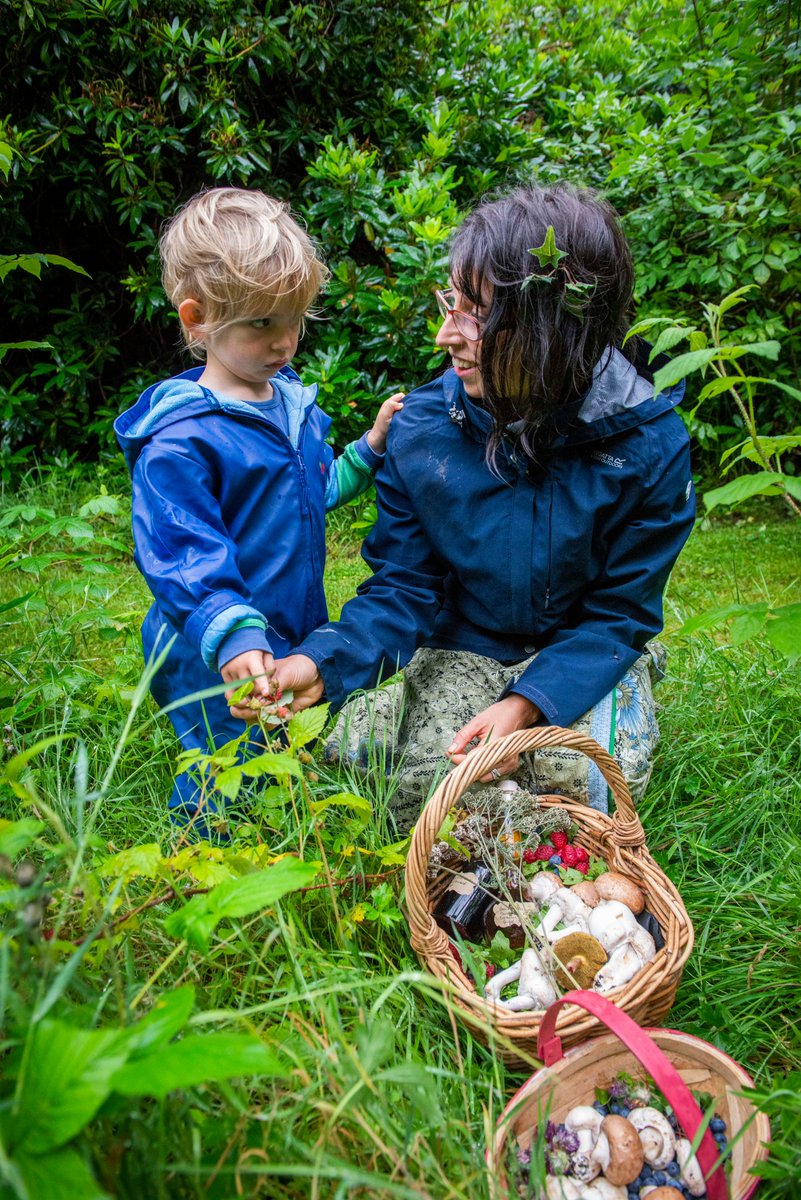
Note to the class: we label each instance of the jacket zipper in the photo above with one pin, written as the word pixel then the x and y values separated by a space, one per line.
pixel 549 544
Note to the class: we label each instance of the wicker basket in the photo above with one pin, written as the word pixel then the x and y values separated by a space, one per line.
pixel 675 1061
pixel 619 840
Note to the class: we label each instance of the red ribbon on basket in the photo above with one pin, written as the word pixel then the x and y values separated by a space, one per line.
pixel 661 1070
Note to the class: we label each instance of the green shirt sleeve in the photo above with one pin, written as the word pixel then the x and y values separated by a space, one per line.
pixel 352 474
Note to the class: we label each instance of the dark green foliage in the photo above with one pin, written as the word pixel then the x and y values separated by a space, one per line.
pixel 381 123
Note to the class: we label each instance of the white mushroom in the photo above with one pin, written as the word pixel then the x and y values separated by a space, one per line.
pixel 574 910
pixel 586 1166
pixel 501 980
pixel 584 1121
pixel 535 990
pixel 656 1135
pixel 602 1189
pixel 560 1187
pixel 543 887
pixel 691 1174
pixel 534 983
pixel 609 922
pixel 629 957
pixel 567 907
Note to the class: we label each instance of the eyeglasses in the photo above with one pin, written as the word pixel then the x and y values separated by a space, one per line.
pixel 469 327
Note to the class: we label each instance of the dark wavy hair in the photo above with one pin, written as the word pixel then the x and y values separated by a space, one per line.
pixel 543 337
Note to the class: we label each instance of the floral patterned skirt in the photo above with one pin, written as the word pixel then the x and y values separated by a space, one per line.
pixel 404 728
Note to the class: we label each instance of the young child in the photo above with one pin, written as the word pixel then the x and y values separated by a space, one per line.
pixel 231 471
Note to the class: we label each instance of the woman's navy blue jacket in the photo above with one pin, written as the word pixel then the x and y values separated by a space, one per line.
pixel 568 557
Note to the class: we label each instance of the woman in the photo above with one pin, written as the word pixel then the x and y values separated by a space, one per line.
pixel 533 501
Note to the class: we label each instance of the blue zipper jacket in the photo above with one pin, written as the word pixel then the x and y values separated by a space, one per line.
pixel 569 557
pixel 229 507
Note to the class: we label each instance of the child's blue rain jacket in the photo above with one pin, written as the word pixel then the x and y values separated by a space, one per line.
pixel 229 529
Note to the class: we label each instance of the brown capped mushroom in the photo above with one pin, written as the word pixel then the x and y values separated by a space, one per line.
pixel 658 1193
pixel 626 1156
pixel 586 891
pixel 582 956
pixel 613 886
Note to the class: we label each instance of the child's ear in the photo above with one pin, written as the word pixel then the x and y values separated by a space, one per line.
pixel 191 314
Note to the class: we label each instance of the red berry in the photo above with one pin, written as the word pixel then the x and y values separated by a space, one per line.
pixel 559 840
pixel 583 867
pixel 491 969
pixel 543 853
pixel 581 854
pixel 569 856
pixel 529 856
pixel 283 712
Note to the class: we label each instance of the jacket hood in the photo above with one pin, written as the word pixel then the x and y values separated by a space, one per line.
pixel 621 396
pixel 182 397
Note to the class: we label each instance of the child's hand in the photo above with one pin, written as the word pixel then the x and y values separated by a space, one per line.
pixel 252 662
pixel 377 437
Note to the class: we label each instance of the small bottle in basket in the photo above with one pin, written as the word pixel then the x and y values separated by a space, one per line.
pixel 462 907
pixel 509 836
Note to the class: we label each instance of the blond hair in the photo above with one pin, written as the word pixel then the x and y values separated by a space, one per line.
pixel 240 254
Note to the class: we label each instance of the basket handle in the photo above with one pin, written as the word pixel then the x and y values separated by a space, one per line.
pixel 626 825
pixel 658 1066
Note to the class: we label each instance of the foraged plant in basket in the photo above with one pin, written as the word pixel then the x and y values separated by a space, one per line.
pixel 633 1114
pixel 515 898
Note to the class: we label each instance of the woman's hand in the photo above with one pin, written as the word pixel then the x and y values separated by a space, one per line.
pixel 298 674
pixel 505 716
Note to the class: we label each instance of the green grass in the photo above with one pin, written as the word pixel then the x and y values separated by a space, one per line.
pixel 377 1098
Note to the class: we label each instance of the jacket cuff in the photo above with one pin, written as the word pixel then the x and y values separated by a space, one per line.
pixel 521 688
pixel 240 641
pixel 367 454
pixel 335 692
pixel 211 623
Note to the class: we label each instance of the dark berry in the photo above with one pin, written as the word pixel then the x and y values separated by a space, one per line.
pixel 615 1108
pixel 625 1110
pixel 601 1108
pixel 491 969
pixel 673 1169
pixel 660 1178
pixel 555 860
pixel 717 1125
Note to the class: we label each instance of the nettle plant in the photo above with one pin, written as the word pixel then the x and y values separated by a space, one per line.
pixel 716 351
pixel 720 352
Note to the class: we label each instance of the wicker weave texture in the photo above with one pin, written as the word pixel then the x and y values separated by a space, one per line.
pixel 553 1091
pixel 619 840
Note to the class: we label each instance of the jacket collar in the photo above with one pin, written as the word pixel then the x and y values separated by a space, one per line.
pixel 620 397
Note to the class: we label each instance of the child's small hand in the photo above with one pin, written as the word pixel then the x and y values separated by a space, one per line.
pixel 252 662
pixel 377 437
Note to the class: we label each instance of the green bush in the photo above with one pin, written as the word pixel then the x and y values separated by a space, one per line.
pixel 382 123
